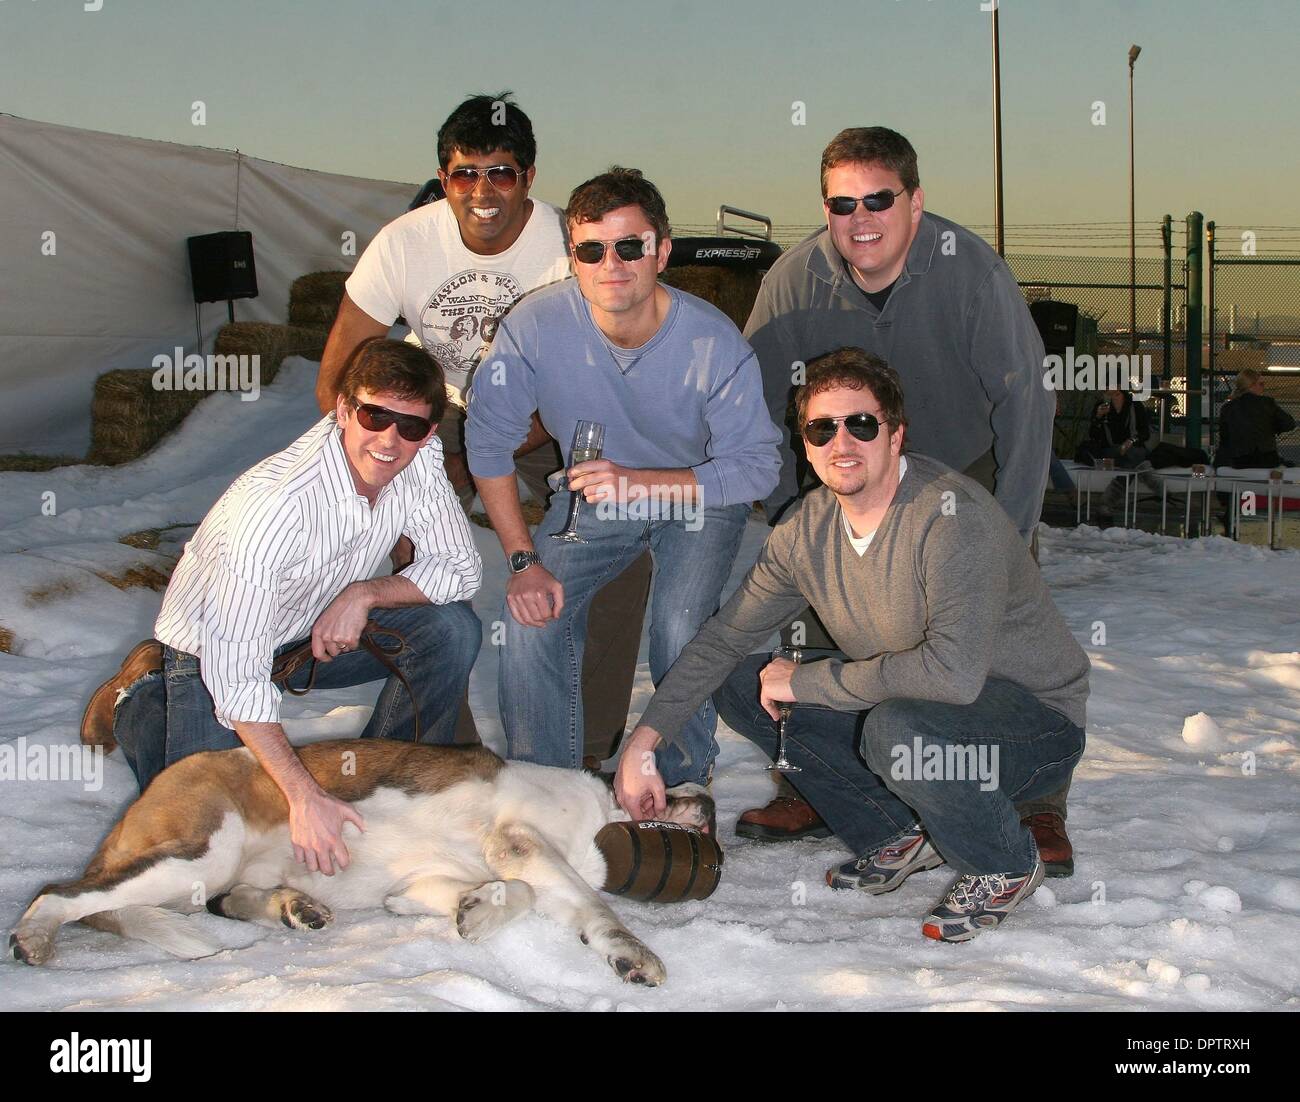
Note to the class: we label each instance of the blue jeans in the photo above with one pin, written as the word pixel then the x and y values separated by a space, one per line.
pixel 1059 476
pixel 165 717
pixel 541 668
pixel 868 773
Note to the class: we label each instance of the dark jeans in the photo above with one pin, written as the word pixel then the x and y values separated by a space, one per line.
pixel 867 774
pixel 165 717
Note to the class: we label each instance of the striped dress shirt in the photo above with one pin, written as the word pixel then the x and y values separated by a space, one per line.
pixel 283 541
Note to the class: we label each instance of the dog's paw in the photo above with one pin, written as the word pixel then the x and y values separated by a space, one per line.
pixel 31 946
pixel 633 962
pixel 482 911
pixel 301 912
pixel 401 904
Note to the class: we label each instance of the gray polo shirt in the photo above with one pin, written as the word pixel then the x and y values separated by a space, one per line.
pixel 955 328
pixel 945 596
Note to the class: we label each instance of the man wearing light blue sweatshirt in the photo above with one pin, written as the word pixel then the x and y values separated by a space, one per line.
pixel 688 446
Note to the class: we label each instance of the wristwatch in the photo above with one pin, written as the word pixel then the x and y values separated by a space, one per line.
pixel 522 560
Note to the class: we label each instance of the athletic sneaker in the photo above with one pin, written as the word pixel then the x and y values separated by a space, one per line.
pixel 884 869
pixel 978 903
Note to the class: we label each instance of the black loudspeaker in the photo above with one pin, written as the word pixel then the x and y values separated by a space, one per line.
pixel 1057 324
pixel 221 266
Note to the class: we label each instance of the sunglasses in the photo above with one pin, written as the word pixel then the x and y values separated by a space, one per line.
pixel 820 431
pixel 501 177
pixel 626 248
pixel 378 418
pixel 876 201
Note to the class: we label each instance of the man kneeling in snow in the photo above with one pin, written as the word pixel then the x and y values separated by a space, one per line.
pixel 959 685
pixel 287 554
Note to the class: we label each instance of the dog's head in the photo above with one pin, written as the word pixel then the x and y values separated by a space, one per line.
pixel 688 804
pixel 691 805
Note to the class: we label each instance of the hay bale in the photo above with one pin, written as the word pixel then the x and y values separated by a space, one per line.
pixel 128 416
pixel 731 290
pixel 24 461
pixel 270 342
pixel 314 299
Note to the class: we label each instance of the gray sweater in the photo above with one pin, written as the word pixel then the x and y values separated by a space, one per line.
pixel 955 327
pixel 945 596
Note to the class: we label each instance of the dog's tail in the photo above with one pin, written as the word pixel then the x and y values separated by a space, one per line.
pixel 169 931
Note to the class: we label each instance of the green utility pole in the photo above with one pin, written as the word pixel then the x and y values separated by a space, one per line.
pixel 1195 237
pixel 1166 321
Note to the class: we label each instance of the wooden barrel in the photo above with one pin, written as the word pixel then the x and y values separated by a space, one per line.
pixel 659 862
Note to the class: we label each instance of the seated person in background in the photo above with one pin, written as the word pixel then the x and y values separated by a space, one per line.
pixel 1248 425
pixel 954 650
pixel 1119 430
pixel 289 553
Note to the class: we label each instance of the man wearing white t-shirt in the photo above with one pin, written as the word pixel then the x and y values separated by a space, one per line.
pixel 452 269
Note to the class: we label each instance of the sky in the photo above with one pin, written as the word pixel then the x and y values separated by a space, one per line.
pixel 702 96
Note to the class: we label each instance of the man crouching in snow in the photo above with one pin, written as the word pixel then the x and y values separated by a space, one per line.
pixel 959 684
pixel 287 555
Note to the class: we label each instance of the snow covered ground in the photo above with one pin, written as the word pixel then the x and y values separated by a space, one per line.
pixel 1184 810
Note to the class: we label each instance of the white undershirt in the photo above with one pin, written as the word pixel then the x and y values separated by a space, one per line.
pixel 861 543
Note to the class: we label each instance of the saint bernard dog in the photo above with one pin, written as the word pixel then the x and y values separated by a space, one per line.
pixel 450 831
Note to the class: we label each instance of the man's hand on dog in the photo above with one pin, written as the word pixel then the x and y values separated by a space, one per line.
pixel 638 787
pixel 316 829
pixel 338 628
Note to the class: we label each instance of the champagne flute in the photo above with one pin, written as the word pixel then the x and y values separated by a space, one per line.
pixel 784 707
pixel 588 443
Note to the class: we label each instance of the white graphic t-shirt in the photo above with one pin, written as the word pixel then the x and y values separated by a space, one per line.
pixel 453 299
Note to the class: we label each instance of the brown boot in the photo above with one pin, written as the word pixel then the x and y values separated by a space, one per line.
pixel 783 820
pixel 97 723
pixel 1053 843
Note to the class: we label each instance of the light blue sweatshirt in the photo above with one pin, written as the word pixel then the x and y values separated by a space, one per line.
pixel 691 396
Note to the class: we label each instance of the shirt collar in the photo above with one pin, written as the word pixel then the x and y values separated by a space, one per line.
pixel 826 264
pixel 334 468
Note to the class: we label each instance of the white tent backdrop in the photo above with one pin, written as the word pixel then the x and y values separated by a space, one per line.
pixel 116 291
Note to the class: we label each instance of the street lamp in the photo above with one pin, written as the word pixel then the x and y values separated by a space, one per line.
pixel 1133 52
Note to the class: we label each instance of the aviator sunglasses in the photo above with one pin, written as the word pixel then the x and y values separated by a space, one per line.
pixel 876 201
pixel 378 418
pixel 626 248
pixel 820 431
pixel 501 177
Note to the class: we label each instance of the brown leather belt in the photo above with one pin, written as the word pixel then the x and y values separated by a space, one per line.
pixel 291 661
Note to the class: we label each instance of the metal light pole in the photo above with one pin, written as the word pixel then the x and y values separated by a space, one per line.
pixel 1133 52
pixel 997 137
